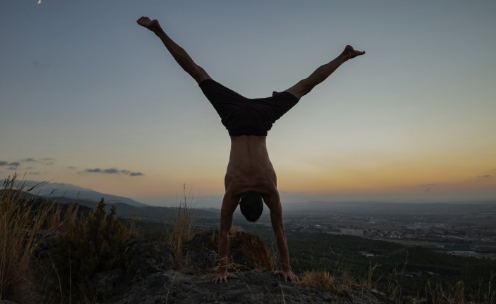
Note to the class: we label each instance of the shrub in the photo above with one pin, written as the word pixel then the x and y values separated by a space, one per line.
pixel 90 247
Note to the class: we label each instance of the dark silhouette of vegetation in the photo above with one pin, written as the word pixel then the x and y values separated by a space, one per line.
pixel 92 246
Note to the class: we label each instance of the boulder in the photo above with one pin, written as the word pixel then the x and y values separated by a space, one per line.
pixel 246 251
pixel 146 257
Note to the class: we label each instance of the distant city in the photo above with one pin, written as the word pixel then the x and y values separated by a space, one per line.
pixel 458 229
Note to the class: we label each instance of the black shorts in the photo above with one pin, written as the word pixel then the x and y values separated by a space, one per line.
pixel 245 116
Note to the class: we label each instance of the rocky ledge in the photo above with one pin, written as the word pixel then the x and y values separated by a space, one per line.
pixel 149 276
pixel 251 287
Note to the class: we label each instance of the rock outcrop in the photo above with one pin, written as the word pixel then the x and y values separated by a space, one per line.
pixel 147 275
pixel 146 257
pixel 105 283
pixel 246 251
pixel 252 287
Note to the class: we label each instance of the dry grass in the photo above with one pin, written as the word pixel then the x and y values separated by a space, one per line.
pixel 273 256
pixel 453 294
pixel 324 281
pixel 395 288
pixel 182 230
pixel 483 297
pixel 367 282
pixel 60 221
pixel 18 226
pixel 133 231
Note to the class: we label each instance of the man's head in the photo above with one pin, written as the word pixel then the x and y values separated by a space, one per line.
pixel 251 205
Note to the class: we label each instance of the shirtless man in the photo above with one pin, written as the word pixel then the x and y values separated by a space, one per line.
pixel 250 176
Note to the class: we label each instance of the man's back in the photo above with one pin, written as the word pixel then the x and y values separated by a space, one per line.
pixel 250 167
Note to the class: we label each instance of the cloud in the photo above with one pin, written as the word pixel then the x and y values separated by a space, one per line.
pixel 12 168
pixel 484 176
pixel 34 173
pixel 3 163
pixel 28 168
pixel 112 171
pixel 429 187
pixel 34 160
pixel 71 167
pixel 14 164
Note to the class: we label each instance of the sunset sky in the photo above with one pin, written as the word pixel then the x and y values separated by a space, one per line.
pixel 88 97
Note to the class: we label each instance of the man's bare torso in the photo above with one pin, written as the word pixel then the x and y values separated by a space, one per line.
pixel 250 167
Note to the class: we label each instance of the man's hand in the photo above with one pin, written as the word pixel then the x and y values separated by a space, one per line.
pixel 152 25
pixel 350 52
pixel 286 275
pixel 223 277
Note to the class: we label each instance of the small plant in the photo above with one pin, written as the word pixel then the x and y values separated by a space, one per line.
pixel 89 247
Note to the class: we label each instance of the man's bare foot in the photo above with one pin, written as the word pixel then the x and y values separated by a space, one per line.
pixel 152 25
pixel 350 53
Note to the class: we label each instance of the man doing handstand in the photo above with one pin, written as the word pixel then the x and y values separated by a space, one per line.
pixel 250 176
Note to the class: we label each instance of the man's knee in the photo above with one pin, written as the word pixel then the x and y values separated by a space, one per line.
pixel 302 88
pixel 199 74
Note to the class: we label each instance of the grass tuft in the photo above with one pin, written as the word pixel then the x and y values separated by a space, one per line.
pixel 18 226
pixel 182 231
pixel 324 281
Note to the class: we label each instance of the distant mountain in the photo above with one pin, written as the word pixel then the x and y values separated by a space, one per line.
pixel 72 192
pixel 146 213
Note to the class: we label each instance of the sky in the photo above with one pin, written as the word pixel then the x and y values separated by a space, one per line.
pixel 88 97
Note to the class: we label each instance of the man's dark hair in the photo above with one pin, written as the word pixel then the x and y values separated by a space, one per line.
pixel 251 205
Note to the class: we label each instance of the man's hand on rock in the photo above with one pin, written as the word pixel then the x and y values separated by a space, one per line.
pixel 287 274
pixel 223 277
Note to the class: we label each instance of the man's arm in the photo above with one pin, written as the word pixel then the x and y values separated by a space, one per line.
pixel 179 54
pixel 229 205
pixel 274 204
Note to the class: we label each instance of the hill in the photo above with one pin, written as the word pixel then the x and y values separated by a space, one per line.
pixel 72 192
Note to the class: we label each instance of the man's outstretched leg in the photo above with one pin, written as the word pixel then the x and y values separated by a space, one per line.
pixel 176 51
pixel 306 85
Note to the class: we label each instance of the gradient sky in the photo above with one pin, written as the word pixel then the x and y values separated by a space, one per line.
pixel 82 86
